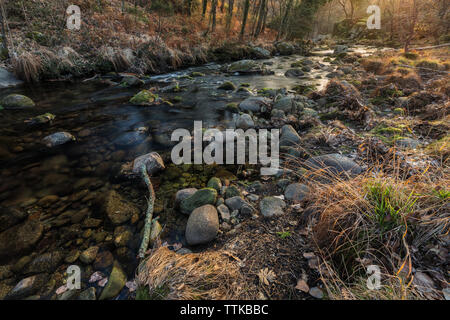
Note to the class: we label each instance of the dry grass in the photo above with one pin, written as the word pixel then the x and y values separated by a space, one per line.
pixel 27 66
pixel 377 221
pixel 209 275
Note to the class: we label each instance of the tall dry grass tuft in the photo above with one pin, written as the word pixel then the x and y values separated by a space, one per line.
pixel 27 66
pixel 208 275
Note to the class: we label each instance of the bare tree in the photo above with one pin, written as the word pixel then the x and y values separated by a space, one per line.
pixel 4 43
pixel 244 18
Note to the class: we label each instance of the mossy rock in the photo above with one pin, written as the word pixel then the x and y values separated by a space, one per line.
pixel 116 282
pixel 197 74
pixel 143 98
pixel 176 99
pixel 214 183
pixel 232 191
pixel 232 107
pixel 17 102
pixel 200 198
pixel 228 85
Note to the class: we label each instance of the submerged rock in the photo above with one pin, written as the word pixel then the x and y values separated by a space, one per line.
pixel 7 79
pixel 17 102
pixel 27 287
pixel 58 138
pixel 20 238
pixel 289 137
pixel 144 98
pixel 202 226
pixel 118 209
pixel 116 282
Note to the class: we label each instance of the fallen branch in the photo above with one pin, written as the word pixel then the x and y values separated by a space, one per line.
pixel 422 68
pixel 149 215
pixel 432 47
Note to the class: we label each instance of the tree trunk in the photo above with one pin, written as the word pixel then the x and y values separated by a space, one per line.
pixel 204 7
pixel 213 15
pixel 4 44
pixel 284 20
pixel 244 18
pixel 230 14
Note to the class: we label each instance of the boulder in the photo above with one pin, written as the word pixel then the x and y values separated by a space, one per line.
pixel 272 206
pixel 245 66
pixel 285 48
pixel 200 198
pixel 17 102
pixel 260 53
pixel 235 203
pixel 214 183
pixel 287 104
pixel 202 226
pixel 294 73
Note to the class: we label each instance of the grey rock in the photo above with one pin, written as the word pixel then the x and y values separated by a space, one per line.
pixel 57 139
pixel 16 102
pixel 27 287
pixel 183 194
pixel 296 192
pixel 294 73
pixel 253 104
pixel 235 203
pixel 261 53
pixel 334 164
pixel 7 79
pixel 152 161
pixel 202 226
pixel 244 122
pixel 20 238
pixel 224 212
pixel 289 137
pixel 271 206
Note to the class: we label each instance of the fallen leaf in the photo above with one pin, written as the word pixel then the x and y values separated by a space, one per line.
pixel 302 285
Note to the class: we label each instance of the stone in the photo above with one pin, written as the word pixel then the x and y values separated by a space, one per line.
pixel 253 104
pixel 152 161
pixel 296 192
pixel 184 194
pixel 271 206
pixel 27 287
pixel 287 104
pixel 144 98
pixel 20 238
pixel 57 139
pixel 45 263
pixel 227 85
pixel 333 164
pixel 247 209
pixel 16 102
pixel 289 137
pixel 9 217
pixel 407 143
pixel 235 203
pixel 260 53
pixel 294 73
pixel 200 198
pixel 423 282
pixel 224 212
pixel 117 209
pixel 202 226
pixel 132 81
pixel 283 183
pixel 72 256
pixel 244 122
pixel 116 282
pixel 232 191
pixel 103 260
pixel 285 48
pixel 245 66
pixel 88 256
pixel 214 183
pixel 7 79
pixel 340 49
pixel 316 293
pixel 88 294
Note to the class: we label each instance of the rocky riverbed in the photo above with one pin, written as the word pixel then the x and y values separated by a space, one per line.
pixel 68 198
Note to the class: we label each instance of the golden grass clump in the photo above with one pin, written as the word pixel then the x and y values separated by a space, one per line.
pixel 208 275
pixel 27 66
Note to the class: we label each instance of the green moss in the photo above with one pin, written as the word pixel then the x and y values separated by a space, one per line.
pixel 176 99
pixel 196 74
pixel 246 85
pixel 227 85
pixel 145 97
pixel 429 64
pixel 232 107
pixel 303 89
